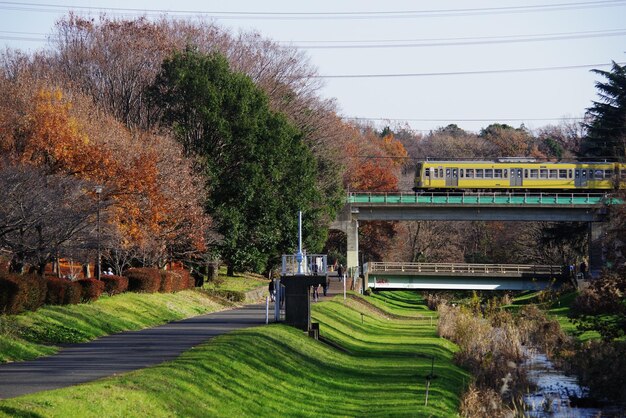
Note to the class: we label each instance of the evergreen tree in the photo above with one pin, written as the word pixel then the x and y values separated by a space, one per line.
pixel 606 133
pixel 259 172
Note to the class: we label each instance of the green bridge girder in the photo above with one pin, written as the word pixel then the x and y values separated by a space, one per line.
pixel 514 199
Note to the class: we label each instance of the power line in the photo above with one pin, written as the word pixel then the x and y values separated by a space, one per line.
pixel 517 119
pixel 453 73
pixel 468 41
pixel 52 7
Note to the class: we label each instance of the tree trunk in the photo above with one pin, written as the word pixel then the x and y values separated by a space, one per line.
pixel 86 271
pixel 212 270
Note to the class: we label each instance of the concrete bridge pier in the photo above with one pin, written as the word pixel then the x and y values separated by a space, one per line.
pixel 348 223
pixel 597 231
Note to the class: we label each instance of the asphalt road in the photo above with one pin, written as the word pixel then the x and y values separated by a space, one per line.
pixel 123 352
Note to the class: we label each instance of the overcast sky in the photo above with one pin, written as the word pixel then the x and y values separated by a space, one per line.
pixel 457 69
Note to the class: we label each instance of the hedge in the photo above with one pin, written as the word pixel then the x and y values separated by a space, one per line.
pixel 92 289
pixel 63 291
pixel 20 293
pixel 174 281
pixel 114 285
pixel 146 280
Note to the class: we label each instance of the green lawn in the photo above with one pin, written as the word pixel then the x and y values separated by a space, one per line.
pixel 240 282
pixel 276 371
pixel 30 334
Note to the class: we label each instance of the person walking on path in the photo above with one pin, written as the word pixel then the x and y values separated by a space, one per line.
pixel 271 290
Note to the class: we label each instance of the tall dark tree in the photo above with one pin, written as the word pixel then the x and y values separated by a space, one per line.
pixel 259 173
pixel 606 133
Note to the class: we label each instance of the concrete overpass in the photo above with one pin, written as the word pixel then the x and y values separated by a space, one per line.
pixel 456 276
pixel 562 207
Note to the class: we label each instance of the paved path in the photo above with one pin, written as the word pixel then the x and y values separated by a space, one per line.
pixel 123 352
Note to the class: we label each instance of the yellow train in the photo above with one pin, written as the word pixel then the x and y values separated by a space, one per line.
pixel 519 174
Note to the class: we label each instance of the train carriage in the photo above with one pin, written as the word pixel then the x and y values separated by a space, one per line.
pixel 519 174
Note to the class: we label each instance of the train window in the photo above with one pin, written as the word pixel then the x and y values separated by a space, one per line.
pixel 506 173
pixel 526 173
pixel 455 172
pixel 585 173
pixel 447 172
pixel 599 174
pixel 497 173
pixel 479 173
pixel 427 172
pixel 435 173
pixel 441 172
pixel 570 173
pixel 553 174
pixel 488 173
pixel 461 172
pixel 534 173
pixel 577 173
pixel 543 173
pixel 591 174
pixel 469 173
pixel 608 174
pixel 562 174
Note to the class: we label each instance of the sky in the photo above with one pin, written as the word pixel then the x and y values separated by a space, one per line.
pixel 417 64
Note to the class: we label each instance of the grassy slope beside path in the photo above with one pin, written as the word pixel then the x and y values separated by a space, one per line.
pixel 26 335
pixel 276 370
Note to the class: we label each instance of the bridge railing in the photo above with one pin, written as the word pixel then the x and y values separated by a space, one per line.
pixel 312 264
pixel 482 198
pixel 461 268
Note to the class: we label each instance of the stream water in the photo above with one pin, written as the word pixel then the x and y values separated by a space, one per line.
pixel 555 391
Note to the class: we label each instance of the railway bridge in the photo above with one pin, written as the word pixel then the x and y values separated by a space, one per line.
pixel 498 206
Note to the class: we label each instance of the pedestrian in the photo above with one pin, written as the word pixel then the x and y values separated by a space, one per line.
pixel 271 289
pixel 325 286
pixel 316 293
pixel 340 271
pixel 583 269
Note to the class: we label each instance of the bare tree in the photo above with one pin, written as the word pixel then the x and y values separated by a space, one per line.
pixel 41 214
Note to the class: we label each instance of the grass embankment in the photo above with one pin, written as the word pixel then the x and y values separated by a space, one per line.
pixel 558 308
pixel 34 334
pixel 237 283
pixel 276 370
pixel 28 335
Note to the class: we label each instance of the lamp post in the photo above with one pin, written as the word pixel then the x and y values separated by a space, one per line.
pixel 98 271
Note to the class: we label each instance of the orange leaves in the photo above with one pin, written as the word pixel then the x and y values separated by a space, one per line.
pixel 375 162
pixel 374 177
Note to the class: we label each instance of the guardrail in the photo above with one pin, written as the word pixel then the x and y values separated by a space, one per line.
pixel 495 269
pixel 494 198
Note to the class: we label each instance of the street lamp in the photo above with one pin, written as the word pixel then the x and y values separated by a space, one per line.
pixel 98 271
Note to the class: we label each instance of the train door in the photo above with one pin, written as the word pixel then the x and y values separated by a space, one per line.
pixel 580 177
pixel 516 179
pixel 452 177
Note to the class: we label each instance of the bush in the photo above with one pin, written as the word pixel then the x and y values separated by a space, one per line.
pixel 63 292
pixel 146 280
pixel 114 285
pixel 167 281
pixel 92 289
pixel 21 293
